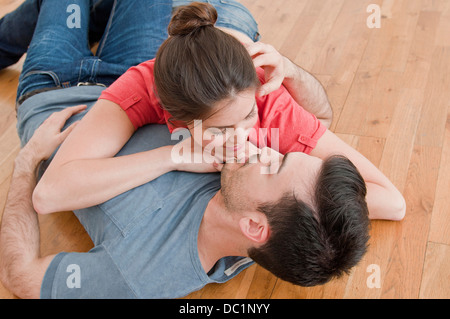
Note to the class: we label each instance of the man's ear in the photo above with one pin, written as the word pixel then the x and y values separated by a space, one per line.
pixel 255 227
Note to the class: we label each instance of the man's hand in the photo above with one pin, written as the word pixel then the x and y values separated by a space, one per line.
pixel 22 268
pixel 274 64
pixel 48 136
pixel 304 88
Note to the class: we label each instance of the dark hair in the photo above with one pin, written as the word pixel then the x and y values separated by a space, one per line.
pixel 308 247
pixel 200 65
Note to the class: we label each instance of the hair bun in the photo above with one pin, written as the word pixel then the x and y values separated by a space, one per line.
pixel 191 17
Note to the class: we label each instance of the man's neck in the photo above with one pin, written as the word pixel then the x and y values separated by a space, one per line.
pixel 218 235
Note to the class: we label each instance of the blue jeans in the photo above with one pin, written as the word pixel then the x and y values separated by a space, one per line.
pixel 132 30
pixel 17 28
pixel 230 14
pixel 59 53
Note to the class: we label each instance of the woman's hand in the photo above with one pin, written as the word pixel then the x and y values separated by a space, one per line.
pixel 189 156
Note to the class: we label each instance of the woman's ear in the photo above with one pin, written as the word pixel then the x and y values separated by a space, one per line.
pixel 255 227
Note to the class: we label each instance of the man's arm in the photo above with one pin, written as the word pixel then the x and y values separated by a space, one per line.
pixel 306 90
pixel 384 200
pixel 22 269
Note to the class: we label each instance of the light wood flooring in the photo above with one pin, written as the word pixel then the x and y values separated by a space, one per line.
pixel 390 92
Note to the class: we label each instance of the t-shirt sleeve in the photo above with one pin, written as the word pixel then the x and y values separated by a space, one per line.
pixel 290 128
pixel 89 275
pixel 134 91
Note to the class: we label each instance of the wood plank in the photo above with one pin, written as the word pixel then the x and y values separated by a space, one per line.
pixel 333 50
pixel 284 14
pixel 377 73
pixel 408 244
pixel 317 36
pixel 400 138
pixel 440 221
pixel 442 38
pixel 404 23
pixel 262 284
pixel 421 52
pixel 433 118
pixel 436 273
pixel 309 12
pixel 9 148
pixel 341 80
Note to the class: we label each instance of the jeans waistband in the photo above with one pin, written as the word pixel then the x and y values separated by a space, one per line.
pixel 24 97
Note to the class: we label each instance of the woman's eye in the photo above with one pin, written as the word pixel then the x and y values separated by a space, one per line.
pixel 217 133
pixel 251 115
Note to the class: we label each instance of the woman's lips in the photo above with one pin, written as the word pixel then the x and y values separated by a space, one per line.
pixel 235 147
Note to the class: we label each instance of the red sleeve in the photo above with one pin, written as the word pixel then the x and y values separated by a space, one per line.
pixel 134 92
pixel 287 123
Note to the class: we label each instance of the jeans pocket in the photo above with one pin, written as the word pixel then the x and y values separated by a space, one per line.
pixel 34 80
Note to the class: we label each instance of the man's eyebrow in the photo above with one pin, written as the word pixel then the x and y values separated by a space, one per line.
pixel 246 118
pixel 283 163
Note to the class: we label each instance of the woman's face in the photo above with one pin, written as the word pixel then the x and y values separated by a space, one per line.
pixel 227 129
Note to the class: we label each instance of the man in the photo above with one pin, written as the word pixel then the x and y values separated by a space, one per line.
pixel 178 233
pixel 181 231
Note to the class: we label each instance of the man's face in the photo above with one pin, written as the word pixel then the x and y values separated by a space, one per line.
pixel 247 185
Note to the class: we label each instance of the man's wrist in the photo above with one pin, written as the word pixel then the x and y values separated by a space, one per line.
pixel 27 160
pixel 292 71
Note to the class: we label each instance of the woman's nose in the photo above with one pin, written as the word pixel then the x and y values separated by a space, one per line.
pixel 239 135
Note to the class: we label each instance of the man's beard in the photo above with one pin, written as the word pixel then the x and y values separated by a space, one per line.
pixel 232 189
pixel 229 181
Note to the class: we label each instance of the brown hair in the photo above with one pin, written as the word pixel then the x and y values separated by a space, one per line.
pixel 310 246
pixel 200 65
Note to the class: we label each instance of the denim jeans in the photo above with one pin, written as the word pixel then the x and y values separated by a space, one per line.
pixel 230 14
pixel 59 53
pixel 17 28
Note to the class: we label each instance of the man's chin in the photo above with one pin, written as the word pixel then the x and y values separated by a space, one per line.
pixel 230 167
pixel 226 173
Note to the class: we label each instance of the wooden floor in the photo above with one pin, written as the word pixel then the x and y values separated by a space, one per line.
pixel 390 91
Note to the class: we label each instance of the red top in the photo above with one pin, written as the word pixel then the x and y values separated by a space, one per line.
pixel 298 130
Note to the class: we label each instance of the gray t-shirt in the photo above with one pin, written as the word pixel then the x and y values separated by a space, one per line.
pixel 145 239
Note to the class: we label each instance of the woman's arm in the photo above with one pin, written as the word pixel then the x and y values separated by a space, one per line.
pixel 383 198
pixel 84 172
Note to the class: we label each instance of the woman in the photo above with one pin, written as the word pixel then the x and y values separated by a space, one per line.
pixel 200 73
